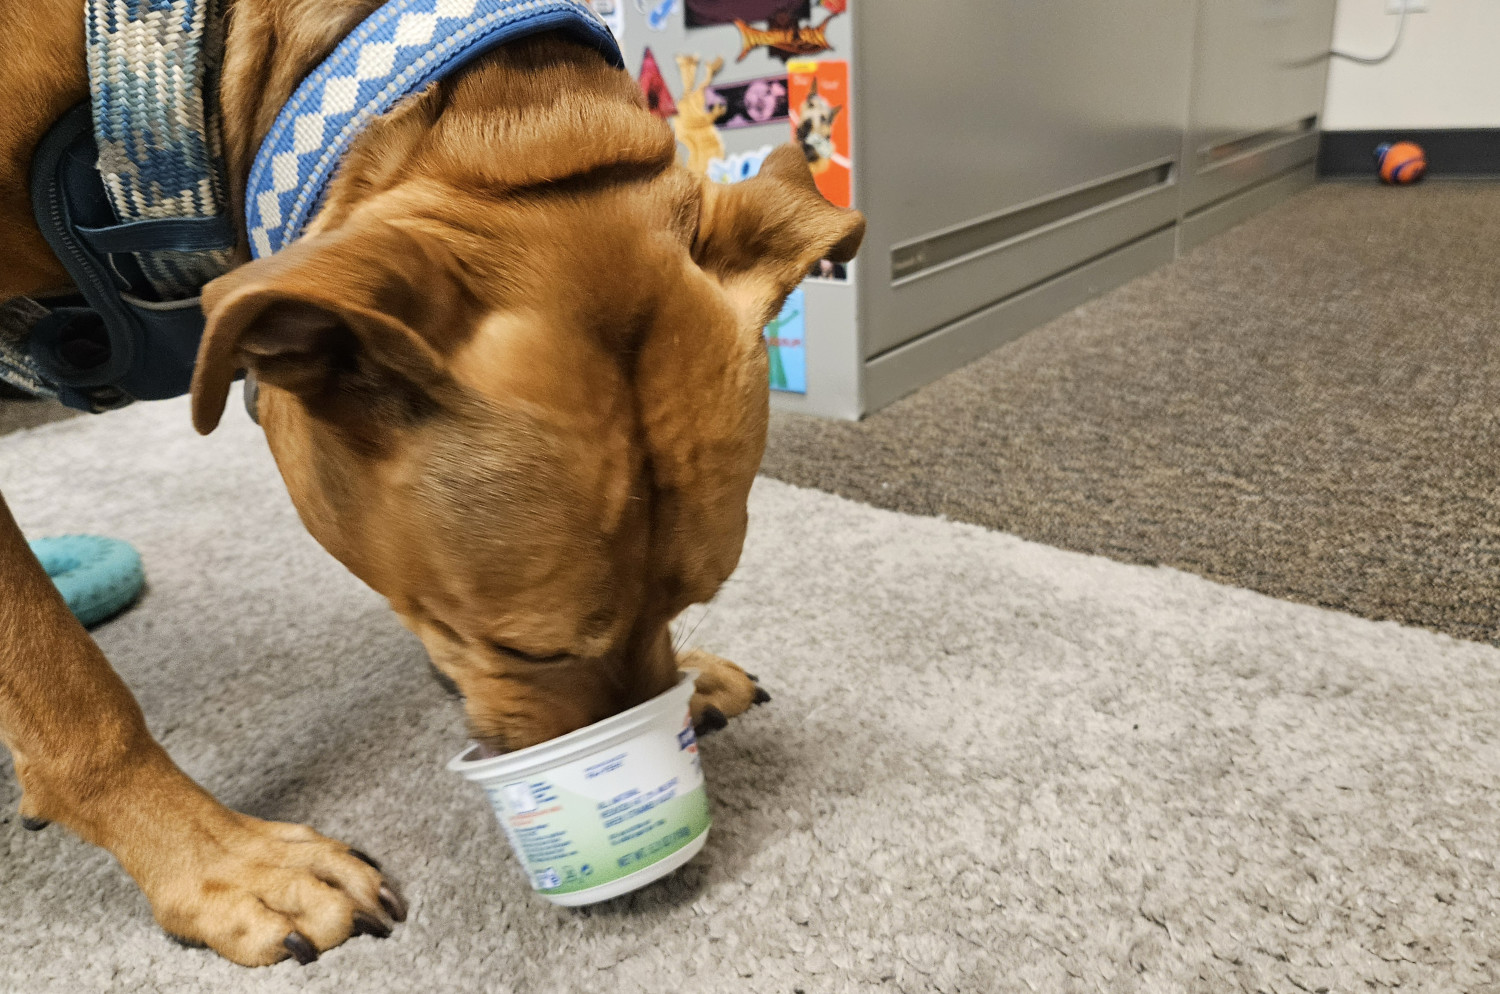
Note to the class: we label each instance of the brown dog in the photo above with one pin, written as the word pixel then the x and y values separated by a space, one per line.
pixel 513 379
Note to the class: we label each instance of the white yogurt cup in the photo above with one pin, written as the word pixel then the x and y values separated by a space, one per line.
pixel 604 810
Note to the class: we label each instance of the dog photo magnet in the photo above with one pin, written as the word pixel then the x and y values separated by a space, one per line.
pixel 818 96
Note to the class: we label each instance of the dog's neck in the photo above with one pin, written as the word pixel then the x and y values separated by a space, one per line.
pixel 270 47
pixel 539 112
pixel 537 101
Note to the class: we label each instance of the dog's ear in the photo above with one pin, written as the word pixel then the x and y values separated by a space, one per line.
pixel 350 323
pixel 760 238
pixel 833 113
pixel 701 370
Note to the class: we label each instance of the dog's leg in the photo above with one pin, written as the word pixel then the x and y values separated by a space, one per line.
pixel 253 890
pixel 722 690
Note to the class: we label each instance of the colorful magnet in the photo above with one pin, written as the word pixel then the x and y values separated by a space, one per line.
pixel 695 120
pixel 706 13
pixel 786 345
pixel 660 14
pixel 740 167
pixel 785 36
pixel 752 103
pixel 654 86
pixel 819 96
pixel 829 271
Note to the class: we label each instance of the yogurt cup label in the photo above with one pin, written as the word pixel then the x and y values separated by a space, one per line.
pixel 605 816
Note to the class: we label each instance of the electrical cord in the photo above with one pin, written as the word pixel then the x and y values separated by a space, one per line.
pixel 1364 60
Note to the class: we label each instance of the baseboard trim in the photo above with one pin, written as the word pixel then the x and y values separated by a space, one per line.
pixel 1450 151
pixel 893 374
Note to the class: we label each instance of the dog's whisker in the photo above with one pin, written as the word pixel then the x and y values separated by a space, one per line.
pixel 707 608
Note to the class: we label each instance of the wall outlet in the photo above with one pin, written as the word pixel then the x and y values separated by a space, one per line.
pixel 1414 6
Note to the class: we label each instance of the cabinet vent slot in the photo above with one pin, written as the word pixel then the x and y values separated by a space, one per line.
pixel 1213 155
pixel 915 258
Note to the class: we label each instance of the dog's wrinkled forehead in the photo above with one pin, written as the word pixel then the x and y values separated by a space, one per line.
pixel 500 516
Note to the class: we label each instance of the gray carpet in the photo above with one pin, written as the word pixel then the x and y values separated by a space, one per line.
pixel 1305 406
pixel 990 766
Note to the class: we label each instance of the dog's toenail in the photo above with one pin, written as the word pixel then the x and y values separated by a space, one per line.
pixel 34 824
pixel 392 903
pixel 367 924
pixel 761 696
pixel 363 857
pixel 300 948
pixel 711 720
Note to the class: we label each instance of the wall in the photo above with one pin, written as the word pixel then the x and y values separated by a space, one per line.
pixel 1446 74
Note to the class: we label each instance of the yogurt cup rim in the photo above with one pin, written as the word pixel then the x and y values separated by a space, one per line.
pixel 565 748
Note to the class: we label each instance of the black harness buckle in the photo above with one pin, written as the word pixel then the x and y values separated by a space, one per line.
pixel 113 342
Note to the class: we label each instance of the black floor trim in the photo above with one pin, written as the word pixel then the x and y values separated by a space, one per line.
pixel 1450 151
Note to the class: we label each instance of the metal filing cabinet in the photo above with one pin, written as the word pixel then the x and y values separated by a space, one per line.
pixel 1257 94
pixel 1013 157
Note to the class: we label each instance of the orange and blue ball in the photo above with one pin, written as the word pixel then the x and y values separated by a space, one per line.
pixel 1400 162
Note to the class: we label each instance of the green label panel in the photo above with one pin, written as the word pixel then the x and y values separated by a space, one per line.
pixel 572 842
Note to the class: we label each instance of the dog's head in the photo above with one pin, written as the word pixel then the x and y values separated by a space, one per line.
pixel 529 418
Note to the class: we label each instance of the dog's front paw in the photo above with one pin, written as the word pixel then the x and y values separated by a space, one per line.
pixel 721 691
pixel 254 891
pixel 257 892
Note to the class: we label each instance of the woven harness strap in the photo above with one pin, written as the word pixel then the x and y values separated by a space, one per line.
pixel 151 66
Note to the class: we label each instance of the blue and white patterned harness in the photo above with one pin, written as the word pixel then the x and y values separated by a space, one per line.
pixel 130 190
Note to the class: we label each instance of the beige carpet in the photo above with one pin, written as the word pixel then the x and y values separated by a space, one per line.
pixel 1307 406
pixel 990 766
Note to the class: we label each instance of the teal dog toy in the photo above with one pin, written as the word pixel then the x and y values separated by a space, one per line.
pixel 98 577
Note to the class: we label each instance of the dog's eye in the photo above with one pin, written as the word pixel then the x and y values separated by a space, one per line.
pixel 528 657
